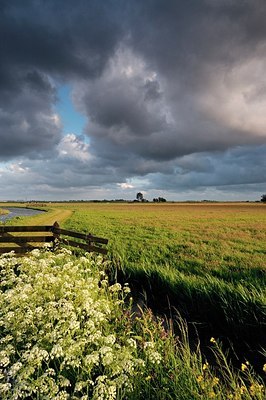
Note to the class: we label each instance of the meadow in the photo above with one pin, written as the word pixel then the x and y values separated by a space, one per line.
pixel 204 263
pixel 206 260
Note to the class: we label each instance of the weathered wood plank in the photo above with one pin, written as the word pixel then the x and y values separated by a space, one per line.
pixel 86 247
pixel 41 228
pixel 25 239
pixel 78 235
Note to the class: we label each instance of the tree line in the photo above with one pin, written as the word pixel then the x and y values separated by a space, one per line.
pixel 140 198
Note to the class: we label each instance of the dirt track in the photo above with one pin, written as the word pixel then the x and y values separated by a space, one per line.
pixel 50 217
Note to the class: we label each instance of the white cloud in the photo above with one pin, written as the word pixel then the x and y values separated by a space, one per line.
pixel 72 146
pixel 17 168
pixel 125 185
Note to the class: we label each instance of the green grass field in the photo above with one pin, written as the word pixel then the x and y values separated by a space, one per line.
pixel 204 261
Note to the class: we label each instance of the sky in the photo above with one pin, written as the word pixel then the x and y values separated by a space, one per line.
pixel 103 99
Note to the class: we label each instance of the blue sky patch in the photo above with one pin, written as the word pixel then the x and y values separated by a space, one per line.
pixel 73 121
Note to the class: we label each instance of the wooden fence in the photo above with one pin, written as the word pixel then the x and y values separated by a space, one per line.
pixel 39 235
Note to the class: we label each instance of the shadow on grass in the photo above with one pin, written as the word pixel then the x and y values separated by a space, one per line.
pixel 211 306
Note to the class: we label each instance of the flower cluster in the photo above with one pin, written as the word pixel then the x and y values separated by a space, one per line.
pixel 62 332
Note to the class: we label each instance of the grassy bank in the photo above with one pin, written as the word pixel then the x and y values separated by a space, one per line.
pixel 3 211
pixel 51 215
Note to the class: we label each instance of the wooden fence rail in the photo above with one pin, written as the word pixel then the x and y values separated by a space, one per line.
pixel 54 234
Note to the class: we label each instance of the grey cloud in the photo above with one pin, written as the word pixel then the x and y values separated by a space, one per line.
pixel 28 124
pixel 175 34
pixel 43 41
pixel 60 37
pixel 153 91
pixel 121 105
pixel 193 51
pixel 241 170
pixel 238 167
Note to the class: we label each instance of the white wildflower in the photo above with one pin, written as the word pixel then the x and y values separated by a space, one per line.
pixel 149 345
pixel 80 385
pixel 15 368
pixel 126 289
pixel 115 288
pixel 104 283
pixel 110 339
pixel 65 251
pixel 5 387
pixel 132 343
pixel 4 361
pixel 111 392
pixel 62 395
pixel 35 253
pixel 57 351
pixel 154 357
pixel 8 255
pixel 63 382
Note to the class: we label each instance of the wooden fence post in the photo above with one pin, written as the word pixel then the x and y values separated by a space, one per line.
pixel 89 236
pixel 56 235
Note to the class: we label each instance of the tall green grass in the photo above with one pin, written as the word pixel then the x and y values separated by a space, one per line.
pixel 209 263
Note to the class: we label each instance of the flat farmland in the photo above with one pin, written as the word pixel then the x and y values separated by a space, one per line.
pixel 204 261
pixel 223 239
pixel 191 237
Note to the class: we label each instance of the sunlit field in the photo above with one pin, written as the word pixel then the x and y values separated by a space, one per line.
pixel 3 211
pixel 206 260
pixel 203 263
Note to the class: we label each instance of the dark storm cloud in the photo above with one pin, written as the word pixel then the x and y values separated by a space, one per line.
pixel 28 124
pixel 43 41
pixel 60 36
pixel 169 88
pixel 190 52
pixel 178 34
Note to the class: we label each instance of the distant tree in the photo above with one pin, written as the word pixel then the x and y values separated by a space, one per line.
pixel 159 200
pixel 139 196
pixel 263 198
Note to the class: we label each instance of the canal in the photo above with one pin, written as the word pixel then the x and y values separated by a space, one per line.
pixel 19 212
